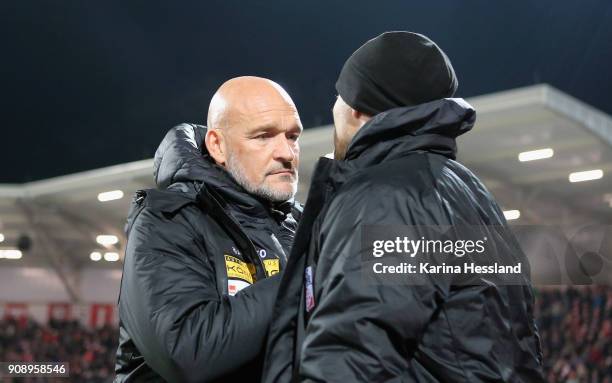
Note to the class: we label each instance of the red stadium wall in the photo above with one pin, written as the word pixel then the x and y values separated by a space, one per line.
pixel 38 293
pixel 91 315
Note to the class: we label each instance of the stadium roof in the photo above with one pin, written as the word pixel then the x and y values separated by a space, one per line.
pixel 62 216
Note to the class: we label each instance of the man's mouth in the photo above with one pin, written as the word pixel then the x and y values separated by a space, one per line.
pixel 285 172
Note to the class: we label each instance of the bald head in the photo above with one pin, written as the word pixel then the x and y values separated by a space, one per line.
pixel 253 128
pixel 243 97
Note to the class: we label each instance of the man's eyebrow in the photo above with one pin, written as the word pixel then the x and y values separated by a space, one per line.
pixel 263 127
pixel 297 128
pixel 271 126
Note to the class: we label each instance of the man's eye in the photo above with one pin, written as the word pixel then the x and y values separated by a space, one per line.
pixel 294 137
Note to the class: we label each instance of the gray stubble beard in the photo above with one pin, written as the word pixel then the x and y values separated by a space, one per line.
pixel 236 170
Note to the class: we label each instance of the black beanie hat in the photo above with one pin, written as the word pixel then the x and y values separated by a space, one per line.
pixel 395 69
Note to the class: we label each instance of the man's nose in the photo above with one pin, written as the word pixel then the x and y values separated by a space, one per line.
pixel 285 150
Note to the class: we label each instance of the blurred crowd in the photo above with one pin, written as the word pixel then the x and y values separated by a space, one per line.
pixel 575 325
pixel 89 352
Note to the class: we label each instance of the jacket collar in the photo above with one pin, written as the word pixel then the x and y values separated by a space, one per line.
pixel 431 127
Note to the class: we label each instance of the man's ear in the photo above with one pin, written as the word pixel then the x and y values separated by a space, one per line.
pixel 360 116
pixel 215 144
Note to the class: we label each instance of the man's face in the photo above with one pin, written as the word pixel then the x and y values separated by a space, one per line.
pixel 263 152
pixel 344 128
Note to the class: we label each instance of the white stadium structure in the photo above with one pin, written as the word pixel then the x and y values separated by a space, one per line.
pixel 546 157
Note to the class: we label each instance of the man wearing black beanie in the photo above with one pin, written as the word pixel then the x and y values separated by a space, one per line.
pixel 349 309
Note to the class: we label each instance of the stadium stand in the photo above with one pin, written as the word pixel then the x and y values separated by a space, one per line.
pixel 90 352
pixel 59 280
pixel 576 329
pixel 575 325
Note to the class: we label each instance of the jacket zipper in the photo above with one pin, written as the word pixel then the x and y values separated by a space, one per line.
pixel 279 248
pixel 216 208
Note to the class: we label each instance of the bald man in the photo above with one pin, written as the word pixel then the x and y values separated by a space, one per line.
pixel 204 248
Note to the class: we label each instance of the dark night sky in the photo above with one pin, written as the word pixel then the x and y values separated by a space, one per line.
pixel 87 84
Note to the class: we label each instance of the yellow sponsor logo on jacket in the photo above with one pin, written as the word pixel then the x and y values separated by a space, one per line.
pixel 237 268
pixel 272 266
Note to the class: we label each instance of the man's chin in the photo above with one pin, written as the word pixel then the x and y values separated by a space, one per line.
pixel 285 181
pixel 282 191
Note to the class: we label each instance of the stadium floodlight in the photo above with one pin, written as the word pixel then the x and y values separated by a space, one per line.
pixel 512 214
pixel 95 256
pixel 106 240
pixel 10 254
pixel 111 257
pixel 533 155
pixel 1 237
pixel 588 175
pixel 110 195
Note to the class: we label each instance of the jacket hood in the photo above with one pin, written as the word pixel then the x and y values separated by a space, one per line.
pixel 432 127
pixel 181 157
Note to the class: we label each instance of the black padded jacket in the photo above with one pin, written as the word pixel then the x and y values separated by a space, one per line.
pixel 332 325
pixel 199 279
